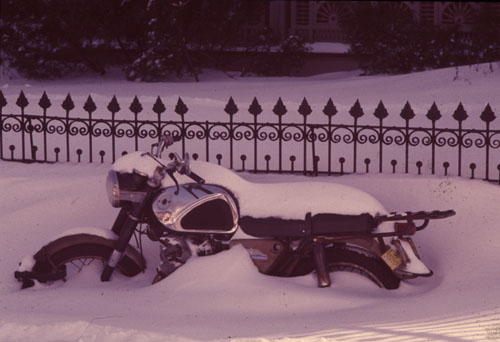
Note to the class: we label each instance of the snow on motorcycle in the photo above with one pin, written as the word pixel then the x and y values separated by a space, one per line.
pixel 288 229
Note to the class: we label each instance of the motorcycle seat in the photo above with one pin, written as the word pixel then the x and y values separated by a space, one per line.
pixel 319 224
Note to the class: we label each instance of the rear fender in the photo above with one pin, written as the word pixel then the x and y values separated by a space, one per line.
pixel 412 266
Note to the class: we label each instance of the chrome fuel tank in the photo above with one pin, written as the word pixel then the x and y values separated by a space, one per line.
pixel 195 208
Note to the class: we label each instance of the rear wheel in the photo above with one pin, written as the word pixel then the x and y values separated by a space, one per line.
pixel 344 259
pixel 73 253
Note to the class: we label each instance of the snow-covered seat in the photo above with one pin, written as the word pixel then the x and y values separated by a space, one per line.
pixel 319 224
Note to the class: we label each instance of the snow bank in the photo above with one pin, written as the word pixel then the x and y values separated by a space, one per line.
pixel 223 297
pixel 328 47
pixel 474 86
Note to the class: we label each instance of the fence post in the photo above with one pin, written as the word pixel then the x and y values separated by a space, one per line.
pixel 44 103
pixel 207 140
pixel 182 109
pixel 487 116
pixel 159 109
pixel 136 108
pixel 3 103
pixel 280 110
pixel 231 109
pixel 460 115
pixel 67 105
pixel 433 114
pixel 305 110
pixel 330 110
pixel 407 114
pixel 356 112
pixel 22 102
pixel 90 107
pixel 114 108
pixel 255 109
pixel 380 113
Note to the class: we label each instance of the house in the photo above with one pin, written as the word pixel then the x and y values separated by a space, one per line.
pixel 317 22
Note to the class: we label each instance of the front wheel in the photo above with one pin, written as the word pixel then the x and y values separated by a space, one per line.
pixel 70 254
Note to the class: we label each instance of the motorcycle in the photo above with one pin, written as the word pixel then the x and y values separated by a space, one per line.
pixel 288 229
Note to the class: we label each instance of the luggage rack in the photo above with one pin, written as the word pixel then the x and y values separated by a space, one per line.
pixel 401 228
pixel 410 217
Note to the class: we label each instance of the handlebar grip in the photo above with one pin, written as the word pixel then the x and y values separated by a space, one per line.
pixel 177 137
pixel 196 178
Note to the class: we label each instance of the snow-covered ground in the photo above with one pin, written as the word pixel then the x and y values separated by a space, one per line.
pixel 223 297
pixel 474 87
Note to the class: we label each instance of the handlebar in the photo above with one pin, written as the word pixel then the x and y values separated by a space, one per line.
pixel 181 165
pixel 196 178
pixel 165 141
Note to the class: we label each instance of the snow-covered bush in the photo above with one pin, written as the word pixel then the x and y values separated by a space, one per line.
pixel 149 39
pixel 54 38
pixel 390 40
pixel 274 57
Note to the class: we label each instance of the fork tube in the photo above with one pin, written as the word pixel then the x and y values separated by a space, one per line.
pixel 126 232
pixel 120 246
pixel 119 221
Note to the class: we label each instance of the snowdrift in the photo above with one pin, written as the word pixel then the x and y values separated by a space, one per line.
pixel 223 297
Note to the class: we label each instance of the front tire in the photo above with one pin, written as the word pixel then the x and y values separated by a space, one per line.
pixel 80 250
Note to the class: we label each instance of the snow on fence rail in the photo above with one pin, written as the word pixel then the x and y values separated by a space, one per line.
pixel 302 146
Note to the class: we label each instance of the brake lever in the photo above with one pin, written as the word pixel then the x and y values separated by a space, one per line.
pixel 171 174
pixel 152 148
pixel 182 164
pixel 168 169
pixel 166 140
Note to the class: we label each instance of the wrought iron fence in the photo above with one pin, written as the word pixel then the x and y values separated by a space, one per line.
pixel 317 145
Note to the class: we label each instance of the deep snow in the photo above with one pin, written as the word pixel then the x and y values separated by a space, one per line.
pixel 473 86
pixel 223 297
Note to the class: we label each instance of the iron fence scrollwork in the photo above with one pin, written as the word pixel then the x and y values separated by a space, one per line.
pixel 325 148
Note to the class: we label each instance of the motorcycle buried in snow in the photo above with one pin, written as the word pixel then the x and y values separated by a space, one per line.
pixel 288 229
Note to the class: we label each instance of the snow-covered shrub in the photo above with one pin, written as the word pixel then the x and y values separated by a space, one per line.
pixel 157 64
pixel 275 58
pixel 53 38
pixel 149 39
pixel 390 40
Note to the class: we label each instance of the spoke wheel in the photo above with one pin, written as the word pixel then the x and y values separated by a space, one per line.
pixel 76 253
pixel 341 258
pixel 80 263
pixel 344 259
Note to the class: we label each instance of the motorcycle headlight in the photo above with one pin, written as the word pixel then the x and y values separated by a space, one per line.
pixel 125 187
pixel 113 189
